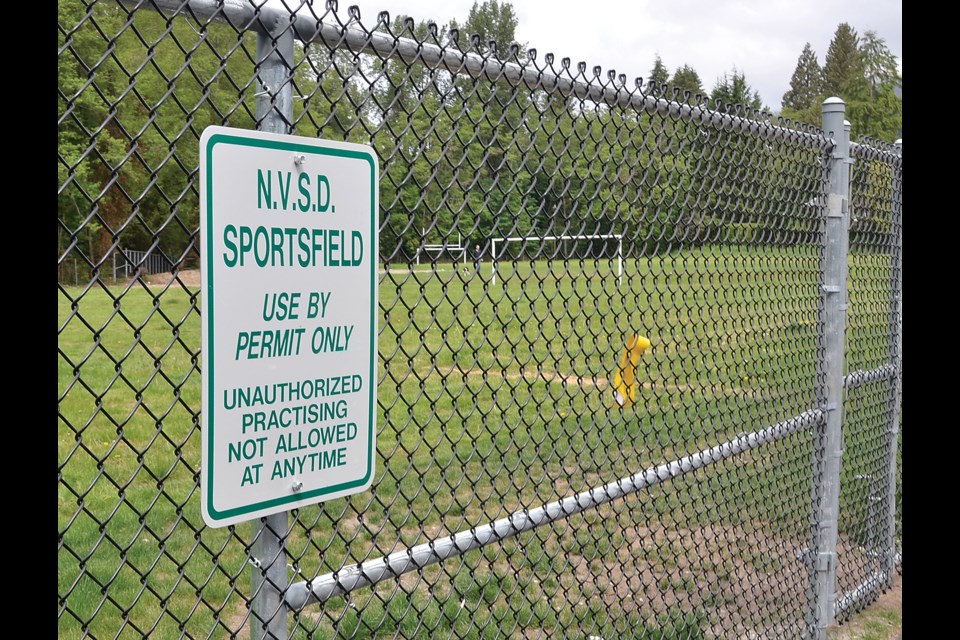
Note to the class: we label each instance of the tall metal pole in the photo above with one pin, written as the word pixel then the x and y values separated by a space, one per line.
pixel 896 353
pixel 275 115
pixel 830 442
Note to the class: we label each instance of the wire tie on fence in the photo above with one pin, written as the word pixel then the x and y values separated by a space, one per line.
pixel 255 562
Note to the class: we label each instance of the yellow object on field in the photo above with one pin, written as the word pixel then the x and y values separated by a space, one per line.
pixel 625 380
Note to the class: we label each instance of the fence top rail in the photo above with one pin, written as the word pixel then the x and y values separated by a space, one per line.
pixel 309 27
pixel 877 150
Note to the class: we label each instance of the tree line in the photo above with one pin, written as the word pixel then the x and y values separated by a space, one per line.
pixel 861 70
pixel 459 155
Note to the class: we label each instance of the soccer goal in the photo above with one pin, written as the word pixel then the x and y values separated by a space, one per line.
pixel 526 240
pixel 455 251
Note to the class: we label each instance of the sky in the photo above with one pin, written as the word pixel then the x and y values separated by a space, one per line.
pixel 762 39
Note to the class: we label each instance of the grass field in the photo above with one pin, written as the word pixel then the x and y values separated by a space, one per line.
pixel 493 397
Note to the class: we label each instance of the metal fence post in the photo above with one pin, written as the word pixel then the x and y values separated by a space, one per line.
pixel 896 353
pixel 275 115
pixel 504 447
pixel 827 492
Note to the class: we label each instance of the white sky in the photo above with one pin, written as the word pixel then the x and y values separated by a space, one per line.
pixel 761 38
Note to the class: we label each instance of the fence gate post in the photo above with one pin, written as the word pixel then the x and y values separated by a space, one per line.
pixel 275 115
pixel 829 445
pixel 896 352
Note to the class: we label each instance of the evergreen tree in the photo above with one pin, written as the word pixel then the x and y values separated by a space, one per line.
pixel 880 114
pixel 733 90
pixel 844 72
pixel 686 84
pixel 864 74
pixel 659 77
pixel 806 85
pixel 880 65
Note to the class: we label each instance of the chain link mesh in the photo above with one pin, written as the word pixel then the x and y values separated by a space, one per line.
pixel 495 390
pixel 871 425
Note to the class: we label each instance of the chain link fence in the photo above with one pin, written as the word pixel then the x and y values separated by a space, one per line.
pixel 535 217
pixel 870 507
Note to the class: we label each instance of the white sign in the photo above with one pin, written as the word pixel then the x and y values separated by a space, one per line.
pixel 288 228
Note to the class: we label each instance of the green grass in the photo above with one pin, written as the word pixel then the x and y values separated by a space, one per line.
pixel 881 620
pixel 492 397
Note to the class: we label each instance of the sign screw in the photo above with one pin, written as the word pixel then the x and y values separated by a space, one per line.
pixel 297 485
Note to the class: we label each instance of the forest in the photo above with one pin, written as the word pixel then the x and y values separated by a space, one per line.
pixel 461 156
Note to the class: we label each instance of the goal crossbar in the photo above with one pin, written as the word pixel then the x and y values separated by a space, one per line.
pixel 605 236
pixel 445 247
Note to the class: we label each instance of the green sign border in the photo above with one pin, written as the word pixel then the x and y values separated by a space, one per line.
pixel 208 426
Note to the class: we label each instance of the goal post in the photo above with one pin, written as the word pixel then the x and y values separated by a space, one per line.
pixel 606 236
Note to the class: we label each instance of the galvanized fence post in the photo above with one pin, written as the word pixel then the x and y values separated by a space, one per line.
pixel 896 353
pixel 833 325
pixel 275 115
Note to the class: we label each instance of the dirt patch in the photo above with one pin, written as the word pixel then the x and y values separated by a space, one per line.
pixel 189 278
pixel 746 581
pixel 749 579
pixel 881 620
